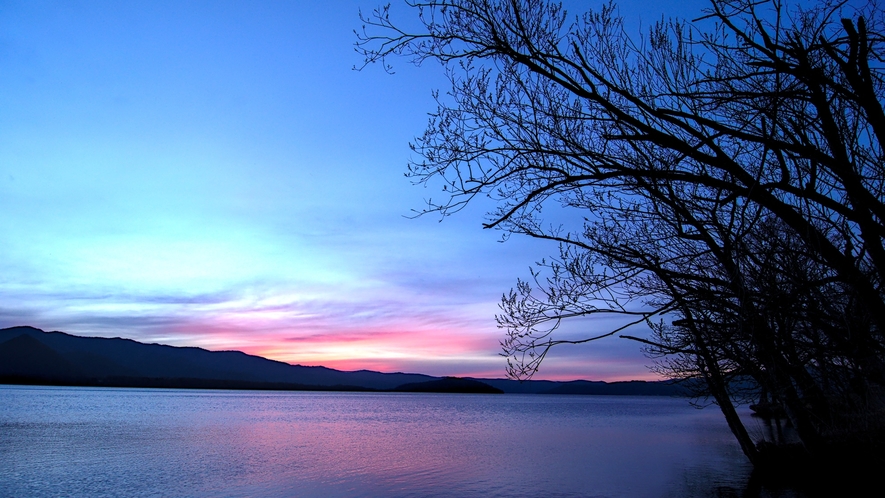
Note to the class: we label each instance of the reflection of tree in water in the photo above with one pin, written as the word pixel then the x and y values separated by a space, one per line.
pixel 729 178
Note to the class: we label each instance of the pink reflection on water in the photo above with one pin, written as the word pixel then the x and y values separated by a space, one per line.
pixel 378 444
pixel 208 443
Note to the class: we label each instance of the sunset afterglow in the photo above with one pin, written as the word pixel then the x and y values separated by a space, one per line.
pixel 215 174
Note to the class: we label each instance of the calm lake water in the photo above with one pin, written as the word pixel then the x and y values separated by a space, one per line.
pixel 64 441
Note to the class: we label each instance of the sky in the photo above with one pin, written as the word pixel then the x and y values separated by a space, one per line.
pixel 216 174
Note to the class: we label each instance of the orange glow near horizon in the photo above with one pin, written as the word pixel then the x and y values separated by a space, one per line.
pixel 397 348
pixel 388 337
pixel 393 348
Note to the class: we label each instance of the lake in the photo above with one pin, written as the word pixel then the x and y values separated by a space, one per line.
pixel 69 441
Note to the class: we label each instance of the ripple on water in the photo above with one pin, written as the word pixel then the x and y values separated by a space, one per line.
pixel 144 442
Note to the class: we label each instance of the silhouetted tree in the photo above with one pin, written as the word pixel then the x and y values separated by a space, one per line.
pixel 727 176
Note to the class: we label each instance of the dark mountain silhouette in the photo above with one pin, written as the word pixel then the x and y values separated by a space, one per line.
pixel 25 355
pixel 31 356
pixel 59 357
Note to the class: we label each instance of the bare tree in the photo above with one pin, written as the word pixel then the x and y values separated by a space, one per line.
pixel 728 175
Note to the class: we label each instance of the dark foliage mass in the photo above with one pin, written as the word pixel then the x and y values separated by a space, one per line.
pixel 719 180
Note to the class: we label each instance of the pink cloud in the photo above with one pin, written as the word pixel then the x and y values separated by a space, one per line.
pixel 385 335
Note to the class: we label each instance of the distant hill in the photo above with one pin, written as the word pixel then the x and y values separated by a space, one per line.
pixel 31 356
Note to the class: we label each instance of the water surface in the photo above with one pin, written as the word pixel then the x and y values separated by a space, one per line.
pixel 155 442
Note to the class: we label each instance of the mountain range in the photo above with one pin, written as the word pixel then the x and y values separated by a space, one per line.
pixel 31 356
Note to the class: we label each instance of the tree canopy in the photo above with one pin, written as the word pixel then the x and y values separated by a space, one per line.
pixel 727 174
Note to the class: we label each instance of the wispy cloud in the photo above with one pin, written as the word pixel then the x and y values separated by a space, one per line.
pixel 239 189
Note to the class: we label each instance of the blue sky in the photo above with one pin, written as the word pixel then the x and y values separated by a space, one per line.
pixel 215 174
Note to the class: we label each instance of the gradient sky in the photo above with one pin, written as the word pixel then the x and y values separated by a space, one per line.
pixel 215 174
